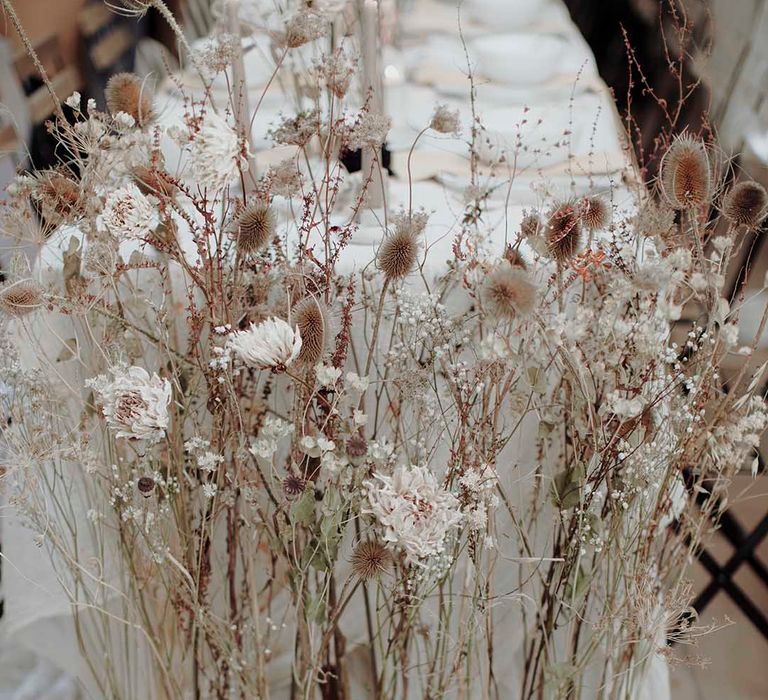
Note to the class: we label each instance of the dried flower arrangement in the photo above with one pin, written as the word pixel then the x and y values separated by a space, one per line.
pixel 303 480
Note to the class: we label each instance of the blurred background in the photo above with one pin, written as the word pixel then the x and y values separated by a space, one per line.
pixel 670 65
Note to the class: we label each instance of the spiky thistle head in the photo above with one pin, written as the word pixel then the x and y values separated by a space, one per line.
pixel 594 213
pixel 746 204
pixel 530 226
pixel 125 92
pixel 398 252
pixel 254 227
pixel 294 485
pixel 508 292
pixel 564 232
pixel 318 330
pixel 370 560
pixel 20 298
pixel 686 173
pixel 58 195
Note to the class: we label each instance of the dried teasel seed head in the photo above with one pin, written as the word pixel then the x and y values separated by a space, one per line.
pixel 513 257
pixel 294 486
pixel 398 253
pixel 746 204
pixel 125 92
pixel 152 181
pixel 508 292
pixel 594 213
pixel 146 485
pixel 370 560
pixel 20 298
pixel 317 328
pixel 254 227
pixel 357 449
pixel 686 174
pixel 564 232
pixel 530 226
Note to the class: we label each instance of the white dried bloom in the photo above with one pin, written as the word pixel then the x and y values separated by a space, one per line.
pixel 445 120
pixel 215 153
pixel 73 100
pixel 327 375
pixel 272 344
pixel 134 404
pixel 624 407
pixel 305 26
pixel 209 490
pixel 369 131
pixel 356 382
pixel 128 213
pixel 416 513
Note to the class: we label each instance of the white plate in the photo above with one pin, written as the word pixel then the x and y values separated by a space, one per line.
pixel 520 58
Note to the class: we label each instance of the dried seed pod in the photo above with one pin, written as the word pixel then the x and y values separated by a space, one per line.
pixel 357 449
pixel 398 253
pixel 508 292
pixel 58 197
pixel 294 486
pixel 513 257
pixel 370 560
pixel 146 485
pixel 20 298
pixel 686 174
pixel 152 181
pixel 564 233
pixel 746 204
pixel 317 328
pixel 530 226
pixel 594 213
pixel 125 92
pixel 254 227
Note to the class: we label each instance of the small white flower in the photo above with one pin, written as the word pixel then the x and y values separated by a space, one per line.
pixel 134 404
pixel 624 407
pixel 215 152
pixel 123 121
pixel 415 512
pixel 73 101
pixel 209 490
pixel 356 382
pixel 272 344
pixel 359 417
pixel 327 376
pixel 127 213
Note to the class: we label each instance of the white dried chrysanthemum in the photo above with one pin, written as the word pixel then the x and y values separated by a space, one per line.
pixel 127 213
pixel 215 153
pixel 134 404
pixel 416 513
pixel 272 344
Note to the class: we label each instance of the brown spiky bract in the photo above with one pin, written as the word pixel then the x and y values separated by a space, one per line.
pixel 564 233
pixel 152 181
pixel 508 292
pixel 125 92
pixel 398 253
pixel 254 227
pixel 746 204
pixel 686 175
pixel 594 213
pixel 370 560
pixel 313 318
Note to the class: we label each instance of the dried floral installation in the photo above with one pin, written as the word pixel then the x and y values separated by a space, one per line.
pixel 260 473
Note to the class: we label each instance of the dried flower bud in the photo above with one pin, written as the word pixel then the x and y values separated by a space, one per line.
pixel 445 120
pixel 398 253
pixel 746 204
pixel 125 92
pixel 594 213
pixel 314 320
pixel 20 298
pixel 530 226
pixel 298 130
pixel 508 292
pixel 58 197
pixel 686 176
pixel 369 131
pixel 513 257
pixel 564 233
pixel 336 71
pixel 294 486
pixel 146 485
pixel 357 450
pixel 655 220
pixel 370 560
pixel 254 227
